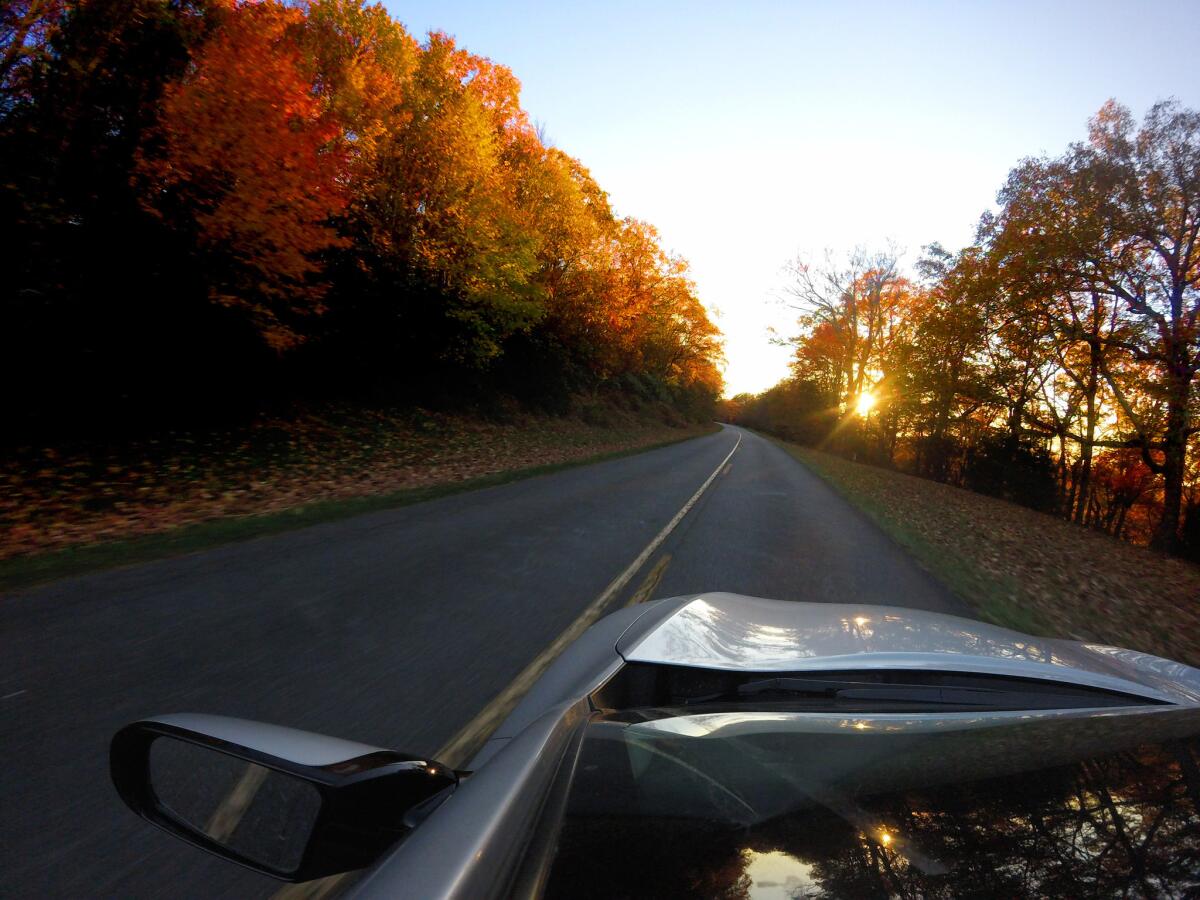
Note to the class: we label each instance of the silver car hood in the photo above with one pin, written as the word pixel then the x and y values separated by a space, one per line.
pixel 731 631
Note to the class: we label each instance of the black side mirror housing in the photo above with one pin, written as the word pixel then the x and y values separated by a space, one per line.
pixel 290 804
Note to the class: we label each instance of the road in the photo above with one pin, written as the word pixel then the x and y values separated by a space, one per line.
pixel 393 628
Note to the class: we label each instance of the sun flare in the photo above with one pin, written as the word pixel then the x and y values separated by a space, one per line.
pixel 864 404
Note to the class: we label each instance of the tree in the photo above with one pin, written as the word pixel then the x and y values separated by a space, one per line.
pixel 796 410
pixel 1119 217
pixel 1073 324
pixel 820 358
pixel 86 268
pixel 854 319
pixel 447 259
pixel 854 299
pixel 243 154
pixel 322 201
pixel 27 28
pixel 567 212
pixel 362 61
pixel 1120 479
pixel 942 359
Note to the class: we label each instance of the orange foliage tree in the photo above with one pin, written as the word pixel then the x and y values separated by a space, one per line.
pixel 245 150
pixel 1057 361
pixel 309 173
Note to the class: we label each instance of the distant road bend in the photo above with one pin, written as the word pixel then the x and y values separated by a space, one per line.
pixel 395 628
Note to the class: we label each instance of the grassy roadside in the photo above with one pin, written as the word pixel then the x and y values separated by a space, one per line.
pixel 1024 569
pixel 30 569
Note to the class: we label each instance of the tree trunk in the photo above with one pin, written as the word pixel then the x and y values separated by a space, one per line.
pixel 1088 446
pixel 1120 526
pixel 1166 533
pixel 1068 478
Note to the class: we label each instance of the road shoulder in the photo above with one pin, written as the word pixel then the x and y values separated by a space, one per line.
pixel 31 569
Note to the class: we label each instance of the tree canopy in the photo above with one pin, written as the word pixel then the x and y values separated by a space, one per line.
pixel 209 202
pixel 1053 362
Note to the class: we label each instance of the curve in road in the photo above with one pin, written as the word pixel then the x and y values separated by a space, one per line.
pixel 394 628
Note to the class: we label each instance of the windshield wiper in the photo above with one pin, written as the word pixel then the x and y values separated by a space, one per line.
pixel 1021 696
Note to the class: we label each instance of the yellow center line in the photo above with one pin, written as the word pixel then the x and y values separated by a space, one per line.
pixel 464 744
pixel 229 813
pixel 467 742
pixel 653 577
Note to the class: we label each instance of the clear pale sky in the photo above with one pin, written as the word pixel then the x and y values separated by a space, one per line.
pixel 748 132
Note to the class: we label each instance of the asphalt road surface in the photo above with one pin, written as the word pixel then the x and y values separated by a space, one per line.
pixel 393 628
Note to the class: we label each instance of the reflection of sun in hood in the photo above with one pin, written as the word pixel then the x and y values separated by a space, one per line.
pixel 777 876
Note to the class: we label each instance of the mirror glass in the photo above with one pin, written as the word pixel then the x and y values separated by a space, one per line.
pixel 264 815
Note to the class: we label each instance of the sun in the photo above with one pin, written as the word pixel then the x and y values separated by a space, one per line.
pixel 864 404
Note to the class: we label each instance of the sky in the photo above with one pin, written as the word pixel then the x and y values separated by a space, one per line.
pixel 752 132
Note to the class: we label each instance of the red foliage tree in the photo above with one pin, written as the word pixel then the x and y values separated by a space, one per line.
pixel 244 150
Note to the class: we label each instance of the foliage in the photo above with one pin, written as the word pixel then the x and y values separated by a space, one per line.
pixel 86 267
pixel 25 30
pixel 215 206
pixel 800 411
pixel 241 158
pixel 1017 472
pixel 1053 363
pixel 1116 220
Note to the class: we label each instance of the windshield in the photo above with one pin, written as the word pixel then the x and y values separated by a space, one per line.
pixel 771 805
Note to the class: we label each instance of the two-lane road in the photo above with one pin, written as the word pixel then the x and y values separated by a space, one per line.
pixel 394 628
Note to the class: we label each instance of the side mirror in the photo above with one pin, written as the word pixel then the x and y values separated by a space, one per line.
pixel 291 804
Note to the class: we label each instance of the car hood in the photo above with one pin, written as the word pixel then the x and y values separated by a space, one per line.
pixel 735 632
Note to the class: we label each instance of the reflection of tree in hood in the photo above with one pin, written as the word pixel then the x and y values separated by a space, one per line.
pixel 648 858
pixel 1122 824
pixel 1127 825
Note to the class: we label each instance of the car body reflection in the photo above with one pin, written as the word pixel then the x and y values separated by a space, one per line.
pixel 725 631
pixel 1089 805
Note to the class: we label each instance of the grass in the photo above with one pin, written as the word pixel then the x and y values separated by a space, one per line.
pixel 1027 570
pixel 31 569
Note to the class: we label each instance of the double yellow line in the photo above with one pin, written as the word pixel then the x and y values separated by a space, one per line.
pixel 475 733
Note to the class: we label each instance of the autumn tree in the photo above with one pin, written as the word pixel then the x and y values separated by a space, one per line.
pixel 320 201
pixel 855 300
pixel 1119 480
pixel 361 61
pixel 1041 362
pixel 570 214
pixel 86 268
pixel 795 409
pixel 1117 218
pixel 243 154
pixel 942 360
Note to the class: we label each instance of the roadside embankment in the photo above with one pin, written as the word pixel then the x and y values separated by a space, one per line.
pixel 65 510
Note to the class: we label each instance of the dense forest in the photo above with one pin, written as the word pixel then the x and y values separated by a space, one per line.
pixel 210 206
pixel 1052 363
